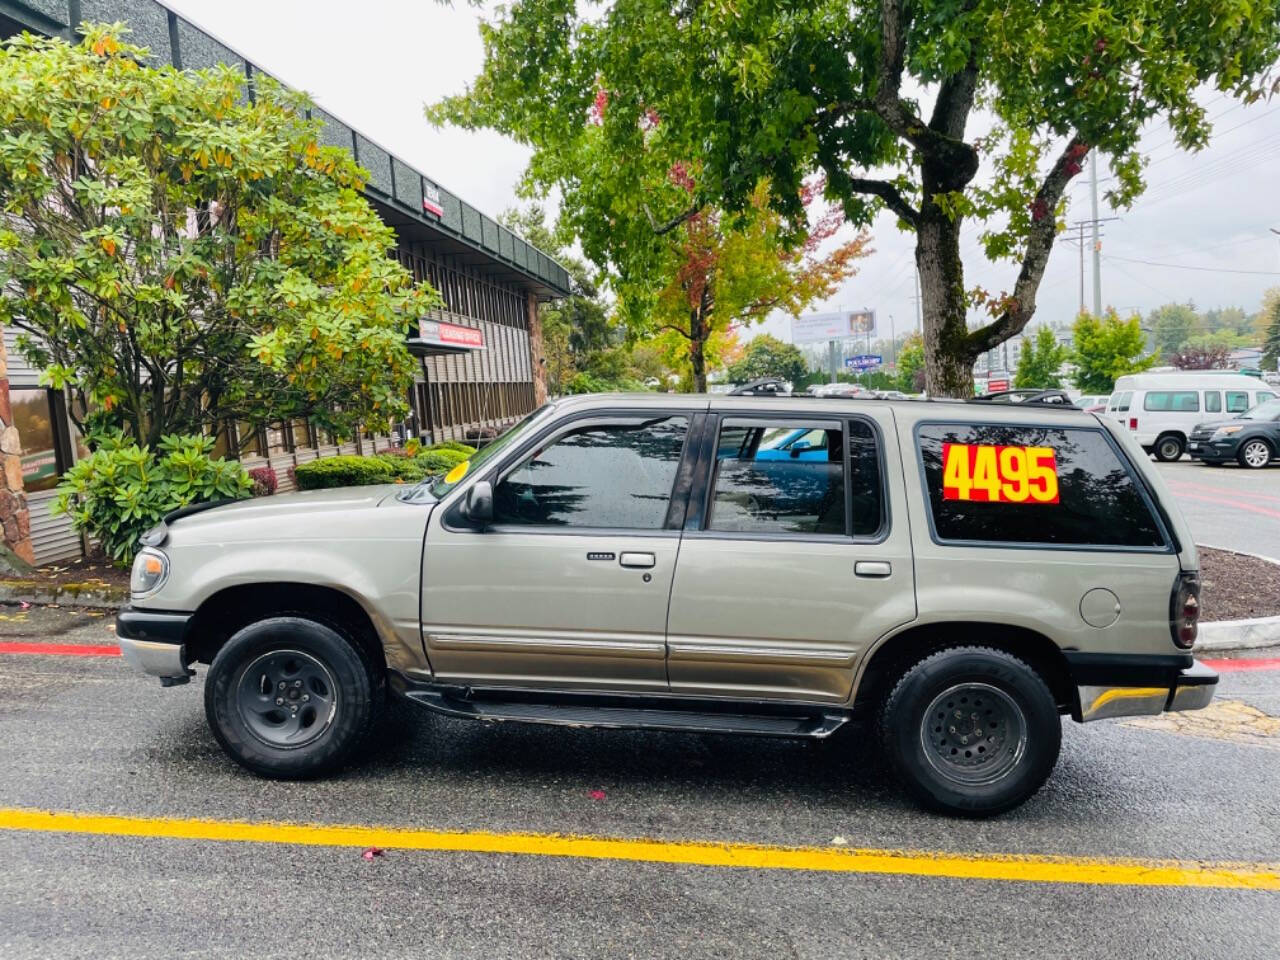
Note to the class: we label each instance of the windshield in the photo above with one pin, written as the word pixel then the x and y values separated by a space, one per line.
pixel 1267 410
pixel 439 487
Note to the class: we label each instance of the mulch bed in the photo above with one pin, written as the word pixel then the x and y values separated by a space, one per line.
pixel 81 570
pixel 1234 586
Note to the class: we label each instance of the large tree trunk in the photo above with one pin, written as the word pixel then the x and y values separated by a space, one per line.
pixel 699 330
pixel 948 356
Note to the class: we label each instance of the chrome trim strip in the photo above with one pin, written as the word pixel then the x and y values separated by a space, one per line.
pixel 582 646
pixel 712 650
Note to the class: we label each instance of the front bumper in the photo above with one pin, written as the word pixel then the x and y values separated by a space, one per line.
pixel 1214 451
pixel 1130 687
pixel 151 642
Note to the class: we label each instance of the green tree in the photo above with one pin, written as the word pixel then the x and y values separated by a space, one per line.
pixel 179 251
pixel 767 356
pixel 879 96
pixel 1106 348
pixel 911 365
pixel 1040 360
pixel 1271 341
pixel 1172 325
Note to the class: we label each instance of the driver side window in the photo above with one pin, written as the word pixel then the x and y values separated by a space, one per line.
pixel 614 476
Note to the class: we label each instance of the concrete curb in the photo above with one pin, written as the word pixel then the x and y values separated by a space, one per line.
pixel 94 594
pixel 1226 635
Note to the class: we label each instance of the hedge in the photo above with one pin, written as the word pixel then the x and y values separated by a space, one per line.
pixel 388 467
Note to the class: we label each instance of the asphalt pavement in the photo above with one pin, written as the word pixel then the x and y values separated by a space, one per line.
pixel 1228 506
pixel 84 735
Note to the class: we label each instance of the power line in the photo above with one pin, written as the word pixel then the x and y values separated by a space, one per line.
pixel 1187 266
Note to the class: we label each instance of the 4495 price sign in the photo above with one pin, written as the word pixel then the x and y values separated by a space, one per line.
pixel 998 474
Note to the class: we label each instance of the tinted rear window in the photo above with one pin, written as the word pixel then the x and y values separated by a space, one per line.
pixel 1091 499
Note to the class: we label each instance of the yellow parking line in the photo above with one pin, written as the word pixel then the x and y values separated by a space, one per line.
pixel 919 863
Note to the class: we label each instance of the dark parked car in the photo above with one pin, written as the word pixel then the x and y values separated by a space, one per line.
pixel 1252 439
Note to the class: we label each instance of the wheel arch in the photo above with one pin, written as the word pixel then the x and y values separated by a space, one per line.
pixel 227 611
pixel 897 652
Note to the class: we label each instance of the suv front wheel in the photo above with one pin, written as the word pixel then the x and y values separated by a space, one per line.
pixel 290 698
pixel 971 731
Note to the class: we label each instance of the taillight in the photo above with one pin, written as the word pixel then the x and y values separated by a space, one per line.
pixel 1133 423
pixel 1184 609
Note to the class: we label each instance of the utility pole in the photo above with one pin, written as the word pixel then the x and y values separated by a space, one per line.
pixel 1081 242
pixel 1097 239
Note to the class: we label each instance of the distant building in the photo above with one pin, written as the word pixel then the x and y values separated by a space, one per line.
pixel 483 359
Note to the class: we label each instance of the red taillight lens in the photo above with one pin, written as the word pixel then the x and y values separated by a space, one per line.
pixel 1133 423
pixel 1184 612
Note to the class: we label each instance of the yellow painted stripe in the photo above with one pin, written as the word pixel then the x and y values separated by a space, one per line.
pixel 918 863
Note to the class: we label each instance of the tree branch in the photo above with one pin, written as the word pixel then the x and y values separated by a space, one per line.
pixel 887 192
pixel 1021 305
pixel 660 229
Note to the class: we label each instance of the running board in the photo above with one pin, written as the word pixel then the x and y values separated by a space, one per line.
pixel 582 712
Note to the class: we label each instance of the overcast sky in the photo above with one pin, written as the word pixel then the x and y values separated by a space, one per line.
pixel 375 64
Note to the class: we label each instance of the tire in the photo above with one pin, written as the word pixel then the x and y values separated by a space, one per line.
pixel 324 698
pixel 1170 447
pixel 1254 454
pixel 991 771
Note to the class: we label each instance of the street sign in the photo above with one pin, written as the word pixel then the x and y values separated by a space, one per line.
pixel 864 361
pixel 820 327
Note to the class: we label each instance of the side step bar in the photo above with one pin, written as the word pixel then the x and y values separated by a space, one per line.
pixel 615 713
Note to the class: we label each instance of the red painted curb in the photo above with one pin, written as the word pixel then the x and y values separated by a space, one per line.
pixel 62 649
pixel 1231 666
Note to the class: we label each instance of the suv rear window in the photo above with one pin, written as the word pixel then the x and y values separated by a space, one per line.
pixel 1057 486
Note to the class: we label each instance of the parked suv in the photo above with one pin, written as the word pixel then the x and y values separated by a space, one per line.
pixel 1252 439
pixel 957 574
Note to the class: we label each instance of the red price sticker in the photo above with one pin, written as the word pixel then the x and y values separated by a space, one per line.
pixel 995 474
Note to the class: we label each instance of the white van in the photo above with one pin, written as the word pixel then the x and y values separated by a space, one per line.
pixel 1162 408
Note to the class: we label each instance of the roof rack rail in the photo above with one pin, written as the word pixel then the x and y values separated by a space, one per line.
pixel 1041 398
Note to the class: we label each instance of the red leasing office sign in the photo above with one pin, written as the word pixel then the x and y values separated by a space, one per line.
pixel 431 199
pixel 437 333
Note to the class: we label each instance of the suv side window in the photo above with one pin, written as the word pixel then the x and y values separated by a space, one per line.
pixel 1212 401
pixel 761 486
pixel 1056 485
pixel 616 476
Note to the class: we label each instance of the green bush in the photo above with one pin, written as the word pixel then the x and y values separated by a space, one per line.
pixel 121 490
pixel 345 471
pixel 387 467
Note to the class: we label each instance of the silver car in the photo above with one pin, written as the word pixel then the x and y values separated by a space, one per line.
pixel 960 575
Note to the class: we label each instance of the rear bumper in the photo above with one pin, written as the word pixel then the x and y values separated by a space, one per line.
pixel 1139 686
pixel 152 643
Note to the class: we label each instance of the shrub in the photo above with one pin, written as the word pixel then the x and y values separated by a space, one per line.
pixel 263 480
pixel 121 490
pixel 389 466
pixel 343 471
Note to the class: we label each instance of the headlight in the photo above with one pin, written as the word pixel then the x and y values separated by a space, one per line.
pixel 150 571
pixel 1227 431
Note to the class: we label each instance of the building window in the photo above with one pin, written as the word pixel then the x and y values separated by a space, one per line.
pixel 33 416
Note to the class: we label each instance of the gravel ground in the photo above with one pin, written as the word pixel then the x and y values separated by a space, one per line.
pixel 1234 586
pixel 95 569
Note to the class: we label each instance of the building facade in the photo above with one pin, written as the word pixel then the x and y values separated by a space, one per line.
pixel 481 354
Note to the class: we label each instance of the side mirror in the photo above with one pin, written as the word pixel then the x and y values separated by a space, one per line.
pixel 477 507
pixel 799 447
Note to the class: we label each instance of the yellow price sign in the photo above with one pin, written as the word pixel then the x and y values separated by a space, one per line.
pixel 999 474
pixel 458 472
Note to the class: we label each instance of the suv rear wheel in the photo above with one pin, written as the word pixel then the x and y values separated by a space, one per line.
pixel 1170 447
pixel 971 731
pixel 291 698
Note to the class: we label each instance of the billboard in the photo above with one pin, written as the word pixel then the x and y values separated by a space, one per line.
pixel 820 327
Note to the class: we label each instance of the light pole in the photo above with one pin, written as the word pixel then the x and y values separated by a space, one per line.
pixel 1275 231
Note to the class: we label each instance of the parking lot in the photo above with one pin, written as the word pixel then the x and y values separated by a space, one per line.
pixel 1228 506
pixel 1146 842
